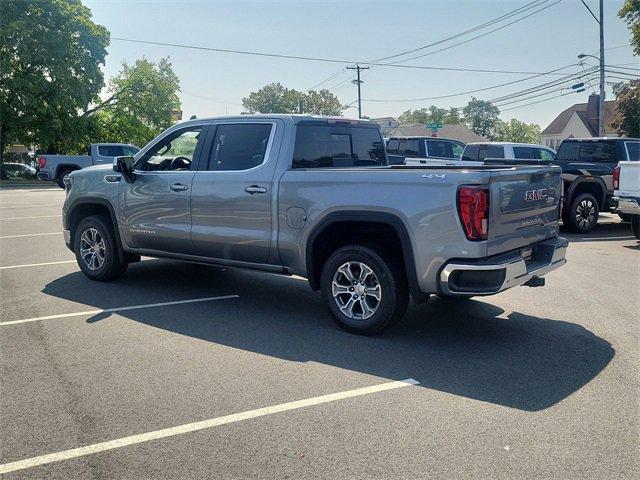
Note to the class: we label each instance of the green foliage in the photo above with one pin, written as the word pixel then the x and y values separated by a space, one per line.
pixel 321 102
pixel 275 98
pixel 630 12
pixel 141 100
pixel 50 57
pixel 627 116
pixel 516 131
pixel 481 116
pixel 431 114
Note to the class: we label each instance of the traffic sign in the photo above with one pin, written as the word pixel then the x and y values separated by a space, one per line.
pixel 434 125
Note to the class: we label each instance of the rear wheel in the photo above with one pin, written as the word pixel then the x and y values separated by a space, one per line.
pixel 96 249
pixel 62 174
pixel 364 288
pixel 583 213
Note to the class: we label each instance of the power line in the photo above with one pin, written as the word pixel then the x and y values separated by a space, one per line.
pixel 471 30
pixel 477 36
pixel 590 11
pixel 328 79
pixel 513 82
pixel 321 59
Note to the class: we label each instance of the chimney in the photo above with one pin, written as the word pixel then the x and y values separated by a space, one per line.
pixel 592 111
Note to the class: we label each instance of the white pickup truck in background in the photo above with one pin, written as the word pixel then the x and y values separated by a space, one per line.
pixel 56 167
pixel 626 190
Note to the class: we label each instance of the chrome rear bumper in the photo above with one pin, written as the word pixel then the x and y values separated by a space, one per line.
pixel 500 272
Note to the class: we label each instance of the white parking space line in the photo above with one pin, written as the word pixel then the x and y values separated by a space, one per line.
pixel 31 235
pixel 204 424
pixel 37 264
pixel 33 206
pixel 27 218
pixel 118 309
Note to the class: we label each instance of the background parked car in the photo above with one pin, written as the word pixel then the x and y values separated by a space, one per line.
pixel 57 167
pixel 15 171
pixel 400 148
pixel 626 185
pixel 525 151
pixel 587 171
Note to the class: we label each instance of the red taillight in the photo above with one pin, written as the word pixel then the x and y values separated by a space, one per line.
pixel 616 178
pixel 42 161
pixel 473 208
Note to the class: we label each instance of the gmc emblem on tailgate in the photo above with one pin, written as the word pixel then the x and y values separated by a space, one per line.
pixel 533 195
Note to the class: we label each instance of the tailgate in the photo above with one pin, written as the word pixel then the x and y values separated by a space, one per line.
pixel 523 207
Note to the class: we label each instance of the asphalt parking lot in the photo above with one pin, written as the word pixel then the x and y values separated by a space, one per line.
pixel 253 380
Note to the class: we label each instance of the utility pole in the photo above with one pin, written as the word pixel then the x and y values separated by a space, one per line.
pixel 601 99
pixel 358 82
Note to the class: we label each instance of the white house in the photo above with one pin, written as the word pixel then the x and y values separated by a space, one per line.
pixel 579 121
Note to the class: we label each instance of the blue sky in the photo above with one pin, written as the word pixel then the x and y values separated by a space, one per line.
pixel 215 83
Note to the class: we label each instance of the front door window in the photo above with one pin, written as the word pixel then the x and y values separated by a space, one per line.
pixel 174 152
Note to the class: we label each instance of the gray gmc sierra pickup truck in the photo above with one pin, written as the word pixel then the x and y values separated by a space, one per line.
pixel 314 196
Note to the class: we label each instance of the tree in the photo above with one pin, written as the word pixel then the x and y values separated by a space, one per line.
pixel 516 131
pixel 481 116
pixel 275 98
pixel 140 103
pixel 50 57
pixel 630 12
pixel 627 115
pixel 321 102
pixel 431 114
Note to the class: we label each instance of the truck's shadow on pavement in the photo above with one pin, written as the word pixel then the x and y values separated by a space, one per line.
pixel 522 361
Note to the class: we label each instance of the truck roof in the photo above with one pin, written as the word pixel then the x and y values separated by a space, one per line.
pixel 295 118
pixel 596 139
pixel 508 143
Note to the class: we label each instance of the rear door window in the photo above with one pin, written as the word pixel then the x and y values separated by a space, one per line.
pixel 240 146
pixel 470 152
pixel 442 149
pixel 598 152
pixel 319 146
pixel 523 152
pixel 568 151
pixel 110 150
pixel 633 151
pixel 490 151
pixel 409 147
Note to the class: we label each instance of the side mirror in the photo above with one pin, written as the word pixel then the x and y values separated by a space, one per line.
pixel 124 166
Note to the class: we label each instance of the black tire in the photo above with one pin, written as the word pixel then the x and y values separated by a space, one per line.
pixel 61 174
pixel 388 275
pixel 635 225
pixel 625 217
pixel 100 231
pixel 582 216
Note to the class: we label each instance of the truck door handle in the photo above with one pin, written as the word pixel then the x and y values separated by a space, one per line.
pixel 253 189
pixel 178 187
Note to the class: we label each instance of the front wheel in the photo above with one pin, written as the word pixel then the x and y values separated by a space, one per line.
pixel 96 249
pixel 582 216
pixel 364 288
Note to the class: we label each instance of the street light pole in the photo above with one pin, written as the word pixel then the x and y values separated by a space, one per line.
pixel 601 99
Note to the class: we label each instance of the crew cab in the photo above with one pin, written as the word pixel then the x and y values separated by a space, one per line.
pixel 477 152
pixel 626 188
pixel 414 148
pixel 587 172
pixel 57 167
pixel 314 196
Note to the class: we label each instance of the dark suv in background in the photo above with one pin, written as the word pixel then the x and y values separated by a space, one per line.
pixel 587 172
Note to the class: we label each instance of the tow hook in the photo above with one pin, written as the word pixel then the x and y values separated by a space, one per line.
pixel 535 282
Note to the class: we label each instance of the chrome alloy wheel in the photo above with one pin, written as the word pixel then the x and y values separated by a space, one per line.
pixel 92 248
pixel 585 213
pixel 356 290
